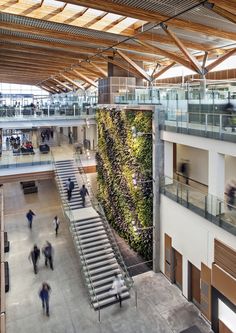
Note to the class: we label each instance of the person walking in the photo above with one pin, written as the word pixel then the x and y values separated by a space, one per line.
pixel 56 223
pixel 116 288
pixel 34 256
pixel 83 192
pixel 48 252
pixel 44 295
pixel 69 186
pixel 29 217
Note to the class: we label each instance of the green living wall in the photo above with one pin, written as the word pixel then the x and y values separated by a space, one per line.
pixel 124 164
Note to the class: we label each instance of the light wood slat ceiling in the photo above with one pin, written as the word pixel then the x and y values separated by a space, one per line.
pixel 43 39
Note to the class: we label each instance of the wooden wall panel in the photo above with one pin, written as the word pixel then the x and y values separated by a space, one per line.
pixel 206 291
pixel 225 257
pixel 168 257
pixel 223 328
pixel 224 283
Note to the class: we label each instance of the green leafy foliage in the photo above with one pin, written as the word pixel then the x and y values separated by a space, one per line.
pixel 120 158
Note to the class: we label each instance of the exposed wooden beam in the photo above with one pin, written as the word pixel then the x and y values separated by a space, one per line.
pixel 85 78
pixel 122 65
pixel 98 72
pixel 76 16
pixel 204 60
pixel 140 70
pixel 220 60
pixel 221 11
pixel 46 88
pixel 183 49
pixel 95 20
pixel 114 23
pixel 151 16
pixel 62 84
pixel 167 54
pixel 162 71
pixel 76 84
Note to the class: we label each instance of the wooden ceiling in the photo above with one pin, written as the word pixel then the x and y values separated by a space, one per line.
pixel 66 45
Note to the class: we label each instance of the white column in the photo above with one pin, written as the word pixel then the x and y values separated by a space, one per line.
pixel 168 159
pixel 216 174
pixel 216 182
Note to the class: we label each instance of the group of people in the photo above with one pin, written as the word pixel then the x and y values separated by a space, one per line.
pixel 70 187
pixel 229 117
pixel 46 134
pixel 48 253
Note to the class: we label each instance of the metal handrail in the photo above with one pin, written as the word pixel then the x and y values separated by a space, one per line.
pixel 75 234
pixel 110 233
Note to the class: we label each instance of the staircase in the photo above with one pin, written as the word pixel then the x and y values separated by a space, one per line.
pixel 93 239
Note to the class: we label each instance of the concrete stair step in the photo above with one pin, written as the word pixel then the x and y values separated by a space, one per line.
pixel 109 301
pixel 89 231
pixel 100 258
pixel 107 293
pixel 92 234
pixel 102 282
pixel 88 227
pixel 87 222
pixel 93 239
pixel 97 253
pixel 100 264
pixel 94 274
pixel 96 248
pixel 102 241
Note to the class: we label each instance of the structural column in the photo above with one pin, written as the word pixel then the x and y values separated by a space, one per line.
pixel 168 160
pixel 158 170
pixel 216 181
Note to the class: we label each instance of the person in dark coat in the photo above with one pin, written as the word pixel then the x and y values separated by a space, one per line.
pixel 48 252
pixel 34 256
pixel 44 295
pixel 83 192
pixel 29 217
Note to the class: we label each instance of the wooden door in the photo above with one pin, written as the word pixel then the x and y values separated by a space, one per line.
pixel 195 286
pixel 168 258
pixel 223 328
pixel 178 269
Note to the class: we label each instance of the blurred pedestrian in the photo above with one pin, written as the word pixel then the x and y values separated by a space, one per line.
pixel 48 252
pixel 116 288
pixel 34 256
pixel 83 192
pixel 230 192
pixel 44 295
pixel 29 217
pixel 56 223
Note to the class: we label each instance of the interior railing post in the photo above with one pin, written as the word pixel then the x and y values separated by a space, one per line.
pixel 206 122
pixel 220 129
pixel 187 198
pixel 205 213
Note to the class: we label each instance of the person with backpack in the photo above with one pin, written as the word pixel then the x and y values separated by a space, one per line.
pixel 69 186
pixel 48 252
pixel 29 217
pixel 34 256
pixel 83 192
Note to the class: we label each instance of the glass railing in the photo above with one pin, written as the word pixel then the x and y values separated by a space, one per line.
pixel 8 114
pixel 206 205
pixel 18 160
pixel 68 213
pixel 216 126
pixel 98 207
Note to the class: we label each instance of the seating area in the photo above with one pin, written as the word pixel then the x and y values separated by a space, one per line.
pixel 29 187
pixel 44 148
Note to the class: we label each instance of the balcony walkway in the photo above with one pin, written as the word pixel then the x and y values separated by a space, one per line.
pixel 161 307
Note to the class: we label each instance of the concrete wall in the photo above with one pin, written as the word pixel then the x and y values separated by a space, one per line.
pixel 192 236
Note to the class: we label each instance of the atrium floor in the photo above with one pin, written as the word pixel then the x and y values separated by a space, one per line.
pixel 161 307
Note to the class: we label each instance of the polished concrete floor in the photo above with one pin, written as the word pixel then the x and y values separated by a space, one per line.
pixel 160 306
